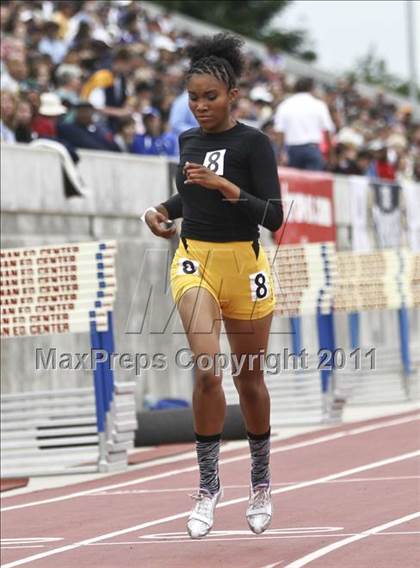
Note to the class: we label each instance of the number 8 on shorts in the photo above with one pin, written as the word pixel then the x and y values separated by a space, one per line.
pixel 260 286
pixel 187 266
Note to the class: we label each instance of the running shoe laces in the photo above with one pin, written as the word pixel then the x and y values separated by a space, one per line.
pixel 259 510
pixel 203 498
pixel 200 520
pixel 261 497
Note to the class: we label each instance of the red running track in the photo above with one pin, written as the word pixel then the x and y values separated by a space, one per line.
pixel 344 497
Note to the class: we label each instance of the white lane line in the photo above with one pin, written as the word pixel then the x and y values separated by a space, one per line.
pixel 334 546
pixel 268 535
pixel 245 456
pixel 185 514
pixel 246 486
pixel 24 546
pixel 393 478
pixel 31 539
pixel 265 536
pixel 396 533
pixel 188 540
pixel 238 532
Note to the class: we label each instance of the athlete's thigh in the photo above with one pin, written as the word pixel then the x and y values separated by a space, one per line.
pixel 201 318
pixel 248 290
pixel 249 337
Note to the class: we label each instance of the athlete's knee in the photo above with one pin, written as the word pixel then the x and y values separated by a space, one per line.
pixel 250 384
pixel 206 381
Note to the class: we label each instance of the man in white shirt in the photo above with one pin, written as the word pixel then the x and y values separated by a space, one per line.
pixel 301 121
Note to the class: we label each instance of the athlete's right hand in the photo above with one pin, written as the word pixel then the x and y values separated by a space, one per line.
pixel 156 223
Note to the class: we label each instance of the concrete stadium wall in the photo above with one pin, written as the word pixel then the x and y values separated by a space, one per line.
pixel 35 212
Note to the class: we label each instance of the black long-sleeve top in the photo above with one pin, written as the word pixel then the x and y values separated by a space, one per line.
pixel 245 157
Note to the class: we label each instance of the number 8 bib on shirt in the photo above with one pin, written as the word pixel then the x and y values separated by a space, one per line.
pixel 215 161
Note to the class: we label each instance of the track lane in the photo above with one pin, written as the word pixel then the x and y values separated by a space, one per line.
pixel 160 469
pixel 94 518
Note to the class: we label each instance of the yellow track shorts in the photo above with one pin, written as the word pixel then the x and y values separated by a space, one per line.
pixel 237 274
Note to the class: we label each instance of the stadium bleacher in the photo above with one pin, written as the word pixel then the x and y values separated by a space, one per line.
pixel 73 49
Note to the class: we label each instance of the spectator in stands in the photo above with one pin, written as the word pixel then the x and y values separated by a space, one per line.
pixel 7 109
pixel 82 132
pixel 153 142
pixel 144 94
pixel 181 118
pixel 268 128
pixel 301 121
pixel 126 132
pixel 83 37
pixel 44 124
pixel 244 111
pixel 262 99
pixel 363 125
pixel 51 44
pixel 14 73
pixel 164 56
pixel 115 46
pixel 34 34
pixel 69 83
pixel 32 93
pixel 345 159
pixel 106 90
pixel 63 16
pixel 350 135
pixel 381 167
pixel 23 122
pixel 351 161
pixel 363 161
pixel 41 72
pixel 131 30
pixel 416 170
pixel 397 146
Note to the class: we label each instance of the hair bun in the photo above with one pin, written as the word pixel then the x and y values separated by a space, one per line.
pixel 223 45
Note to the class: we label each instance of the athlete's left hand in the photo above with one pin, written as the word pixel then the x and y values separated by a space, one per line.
pixel 200 175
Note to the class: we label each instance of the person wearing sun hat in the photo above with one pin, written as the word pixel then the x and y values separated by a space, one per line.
pixel 45 122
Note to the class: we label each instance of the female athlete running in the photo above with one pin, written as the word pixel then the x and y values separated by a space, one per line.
pixel 228 185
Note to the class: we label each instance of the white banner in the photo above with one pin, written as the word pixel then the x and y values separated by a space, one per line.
pixel 384 214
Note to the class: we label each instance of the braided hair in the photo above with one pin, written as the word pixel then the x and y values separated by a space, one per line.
pixel 219 56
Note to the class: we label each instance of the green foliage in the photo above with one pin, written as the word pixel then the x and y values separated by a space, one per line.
pixel 250 18
pixel 308 55
pixel 247 17
pixel 283 40
pixel 372 69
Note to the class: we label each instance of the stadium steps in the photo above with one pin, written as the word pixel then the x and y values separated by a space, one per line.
pixel 48 432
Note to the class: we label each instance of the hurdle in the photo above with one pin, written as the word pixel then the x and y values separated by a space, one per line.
pixel 64 289
pixel 388 279
pixel 303 279
pixel 315 280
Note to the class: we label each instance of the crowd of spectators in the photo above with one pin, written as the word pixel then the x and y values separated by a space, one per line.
pixel 107 75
